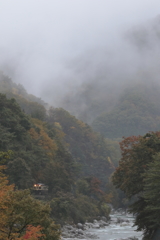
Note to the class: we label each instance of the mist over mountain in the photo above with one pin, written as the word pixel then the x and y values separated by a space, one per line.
pixel 83 65
pixel 97 78
pixel 136 113
pixel 75 77
pixel 56 49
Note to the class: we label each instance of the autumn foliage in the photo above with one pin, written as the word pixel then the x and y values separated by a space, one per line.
pixel 33 233
pixel 22 216
pixel 138 176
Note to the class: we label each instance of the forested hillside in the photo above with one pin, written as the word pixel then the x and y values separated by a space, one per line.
pixel 130 108
pixel 29 103
pixel 92 98
pixel 136 112
pixel 88 148
pixel 34 151
pixel 62 152
pixel 39 153
pixel 95 155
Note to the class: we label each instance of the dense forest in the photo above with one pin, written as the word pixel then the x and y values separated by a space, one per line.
pixel 40 144
pixel 43 144
pixel 138 176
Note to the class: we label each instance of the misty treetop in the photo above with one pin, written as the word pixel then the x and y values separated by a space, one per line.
pixel 137 112
pixel 32 105
pixel 133 111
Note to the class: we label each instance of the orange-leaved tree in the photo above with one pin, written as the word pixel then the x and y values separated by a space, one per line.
pixel 32 233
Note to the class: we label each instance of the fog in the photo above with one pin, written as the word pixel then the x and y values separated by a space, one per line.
pixel 74 52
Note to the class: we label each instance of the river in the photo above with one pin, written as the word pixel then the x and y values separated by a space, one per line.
pixel 120 228
pixel 118 231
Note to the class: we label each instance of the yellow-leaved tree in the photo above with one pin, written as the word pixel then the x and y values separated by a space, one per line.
pixel 42 138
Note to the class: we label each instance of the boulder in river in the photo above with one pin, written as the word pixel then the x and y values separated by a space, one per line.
pixel 80 225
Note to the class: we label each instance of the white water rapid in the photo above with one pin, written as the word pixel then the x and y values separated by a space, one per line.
pixel 118 231
pixel 119 228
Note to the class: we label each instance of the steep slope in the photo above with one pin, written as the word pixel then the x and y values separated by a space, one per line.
pixel 38 154
pixel 62 152
pixel 95 155
pixel 30 104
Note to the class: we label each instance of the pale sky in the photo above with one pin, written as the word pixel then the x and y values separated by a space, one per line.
pixel 41 39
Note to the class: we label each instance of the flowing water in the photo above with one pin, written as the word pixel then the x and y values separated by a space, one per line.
pixel 120 228
pixel 116 231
